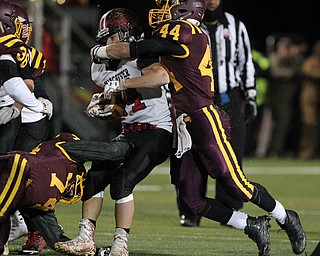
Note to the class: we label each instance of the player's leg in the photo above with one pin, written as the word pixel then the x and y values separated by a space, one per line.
pixel 215 153
pixel 192 197
pixel 152 147
pixel 84 243
pixel 238 186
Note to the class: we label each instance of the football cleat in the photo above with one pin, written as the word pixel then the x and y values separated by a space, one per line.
pixel 294 230
pixel 6 249
pixel 34 244
pixel 18 227
pixel 83 244
pixel 316 251
pixel 103 251
pixel 258 230
pixel 120 243
pixel 190 221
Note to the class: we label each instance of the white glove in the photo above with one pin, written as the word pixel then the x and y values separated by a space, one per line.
pixel 47 108
pixel 8 113
pixel 93 107
pixel 109 88
pixel 97 108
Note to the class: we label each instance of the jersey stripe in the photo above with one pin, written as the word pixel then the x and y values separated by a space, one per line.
pixel 14 181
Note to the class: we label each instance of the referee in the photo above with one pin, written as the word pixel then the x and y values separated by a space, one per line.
pixel 234 80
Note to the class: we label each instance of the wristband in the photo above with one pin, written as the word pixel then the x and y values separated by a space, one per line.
pixel 102 52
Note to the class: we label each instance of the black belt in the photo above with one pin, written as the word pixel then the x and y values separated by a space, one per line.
pixel 139 127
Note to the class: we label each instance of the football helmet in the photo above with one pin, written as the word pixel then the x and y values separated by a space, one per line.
pixel 14 20
pixel 122 21
pixel 176 10
pixel 74 189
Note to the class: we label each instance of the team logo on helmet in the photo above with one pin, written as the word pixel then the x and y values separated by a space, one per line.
pixel 122 21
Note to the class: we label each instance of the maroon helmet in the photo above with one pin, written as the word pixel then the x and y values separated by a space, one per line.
pixel 14 20
pixel 176 10
pixel 122 21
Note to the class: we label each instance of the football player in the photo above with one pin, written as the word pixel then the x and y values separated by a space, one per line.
pixel 35 182
pixel 147 125
pixel 33 127
pixel 14 67
pixel 204 149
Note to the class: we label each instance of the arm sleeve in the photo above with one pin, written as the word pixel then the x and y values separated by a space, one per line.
pixel 26 72
pixel 39 90
pixel 17 89
pixel 83 151
pixel 154 47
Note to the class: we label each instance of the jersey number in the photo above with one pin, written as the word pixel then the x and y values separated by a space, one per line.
pixel 175 32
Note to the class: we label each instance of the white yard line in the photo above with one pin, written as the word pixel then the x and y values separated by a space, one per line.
pixel 300 170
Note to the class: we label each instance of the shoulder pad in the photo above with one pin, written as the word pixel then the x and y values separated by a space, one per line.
pixel 12 45
pixel 37 62
pixel 176 31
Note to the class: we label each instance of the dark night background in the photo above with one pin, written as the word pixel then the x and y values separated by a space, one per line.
pixel 261 17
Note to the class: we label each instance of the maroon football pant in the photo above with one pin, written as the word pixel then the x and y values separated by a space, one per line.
pixel 211 155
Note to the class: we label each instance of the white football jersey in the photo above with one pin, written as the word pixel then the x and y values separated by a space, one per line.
pixel 142 105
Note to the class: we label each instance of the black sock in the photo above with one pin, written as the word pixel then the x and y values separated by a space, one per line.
pixel 125 229
pixel 93 222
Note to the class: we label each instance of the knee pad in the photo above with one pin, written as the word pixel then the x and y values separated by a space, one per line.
pixel 125 199
pixel 99 195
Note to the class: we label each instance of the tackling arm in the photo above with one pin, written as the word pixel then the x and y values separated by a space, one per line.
pixel 153 76
pixel 143 48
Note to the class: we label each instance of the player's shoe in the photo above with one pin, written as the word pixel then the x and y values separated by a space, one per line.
pixel 295 232
pixel 6 249
pixel 83 244
pixel 18 227
pixel 34 244
pixel 103 251
pixel 189 221
pixel 258 229
pixel 120 243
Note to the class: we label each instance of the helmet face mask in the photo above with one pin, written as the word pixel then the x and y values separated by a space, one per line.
pixel 122 21
pixel 14 20
pixel 176 10
pixel 73 191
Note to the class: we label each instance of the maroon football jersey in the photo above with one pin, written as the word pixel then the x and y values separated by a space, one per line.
pixel 43 174
pixel 12 45
pixel 191 74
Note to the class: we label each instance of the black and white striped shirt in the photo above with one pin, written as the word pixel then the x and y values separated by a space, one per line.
pixel 231 54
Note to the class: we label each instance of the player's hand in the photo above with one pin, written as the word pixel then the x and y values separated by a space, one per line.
pixel 94 108
pixel 250 112
pixel 8 113
pixel 113 87
pixel 47 108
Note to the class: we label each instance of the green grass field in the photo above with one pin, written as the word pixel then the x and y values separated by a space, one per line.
pixel 156 229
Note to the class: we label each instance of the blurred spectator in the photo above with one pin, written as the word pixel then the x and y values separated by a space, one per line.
pixel 285 66
pixel 310 105
pixel 254 133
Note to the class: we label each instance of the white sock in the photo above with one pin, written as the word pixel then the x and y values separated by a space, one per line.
pixel 279 213
pixel 238 220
